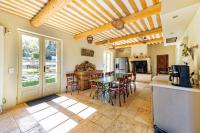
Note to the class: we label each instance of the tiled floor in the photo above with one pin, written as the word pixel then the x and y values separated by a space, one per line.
pixel 81 114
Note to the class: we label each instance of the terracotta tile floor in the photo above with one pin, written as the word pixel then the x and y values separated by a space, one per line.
pixel 78 113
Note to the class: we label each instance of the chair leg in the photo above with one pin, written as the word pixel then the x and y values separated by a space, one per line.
pixel 77 88
pixel 71 90
pixel 127 92
pixel 110 98
pixel 130 88
pixel 134 87
pixel 90 92
pixel 66 89
pixel 119 100
pixel 124 94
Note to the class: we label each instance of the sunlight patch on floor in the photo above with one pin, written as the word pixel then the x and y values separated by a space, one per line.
pixel 37 108
pixel 68 103
pixel 53 121
pixel 44 113
pixel 78 107
pixel 65 127
pixel 87 112
pixel 60 99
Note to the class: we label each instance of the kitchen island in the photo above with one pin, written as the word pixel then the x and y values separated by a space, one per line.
pixel 176 109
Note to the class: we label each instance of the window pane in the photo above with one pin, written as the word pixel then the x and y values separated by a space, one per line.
pixel 51 62
pixel 30 61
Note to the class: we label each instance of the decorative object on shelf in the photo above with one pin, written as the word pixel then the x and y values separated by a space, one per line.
pixel 85 66
pixel 90 39
pixel 188 53
pixel 87 52
pixel 118 24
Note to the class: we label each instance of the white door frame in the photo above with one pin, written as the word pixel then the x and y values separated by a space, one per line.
pixel 50 88
pixel 1 66
pixel 41 91
pixel 25 94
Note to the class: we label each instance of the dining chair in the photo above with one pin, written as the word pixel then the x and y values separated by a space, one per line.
pixel 100 75
pixel 93 76
pixel 119 90
pixel 93 88
pixel 72 82
pixel 130 80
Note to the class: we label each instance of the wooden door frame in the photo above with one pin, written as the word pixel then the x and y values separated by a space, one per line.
pixel 167 55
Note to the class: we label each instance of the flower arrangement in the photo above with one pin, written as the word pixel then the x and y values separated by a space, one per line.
pixel 85 66
pixel 187 53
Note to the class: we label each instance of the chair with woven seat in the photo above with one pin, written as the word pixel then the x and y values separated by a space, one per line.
pixel 72 83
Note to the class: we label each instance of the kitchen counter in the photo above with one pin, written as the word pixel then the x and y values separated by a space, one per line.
pixel 176 109
pixel 167 85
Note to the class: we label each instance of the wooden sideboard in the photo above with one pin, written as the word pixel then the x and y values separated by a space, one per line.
pixel 84 77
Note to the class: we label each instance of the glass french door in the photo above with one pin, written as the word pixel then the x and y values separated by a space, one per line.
pixel 39 67
pixel 108 61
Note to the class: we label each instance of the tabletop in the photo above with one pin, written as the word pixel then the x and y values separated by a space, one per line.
pixel 108 79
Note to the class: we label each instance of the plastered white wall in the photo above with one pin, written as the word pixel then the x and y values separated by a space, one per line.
pixel 71 52
pixel 138 49
pixel 154 50
pixel 193 35
pixel 1 65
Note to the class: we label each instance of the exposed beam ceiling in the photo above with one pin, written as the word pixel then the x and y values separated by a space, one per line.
pixel 153 41
pixel 51 8
pixel 155 9
pixel 140 34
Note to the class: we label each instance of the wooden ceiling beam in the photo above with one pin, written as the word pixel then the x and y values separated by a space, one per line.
pixel 155 9
pixel 132 36
pixel 51 8
pixel 157 40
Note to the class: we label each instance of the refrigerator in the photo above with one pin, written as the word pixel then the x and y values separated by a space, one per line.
pixel 121 65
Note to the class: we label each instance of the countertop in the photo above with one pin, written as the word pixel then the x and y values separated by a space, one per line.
pixel 168 85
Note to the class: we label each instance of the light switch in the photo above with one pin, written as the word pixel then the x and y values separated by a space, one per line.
pixel 11 70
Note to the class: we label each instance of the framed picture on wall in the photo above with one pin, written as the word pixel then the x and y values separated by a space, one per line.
pixel 87 52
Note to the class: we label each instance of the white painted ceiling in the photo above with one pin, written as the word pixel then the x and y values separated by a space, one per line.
pixel 175 27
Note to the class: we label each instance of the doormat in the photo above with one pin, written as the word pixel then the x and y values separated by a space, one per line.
pixel 41 100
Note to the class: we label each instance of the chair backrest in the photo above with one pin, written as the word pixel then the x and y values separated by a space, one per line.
pixel 93 85
pixel 93 76
pixel 99 75
pixel 121 81
pixel 107 73
pixel 70 77
pixel 112 73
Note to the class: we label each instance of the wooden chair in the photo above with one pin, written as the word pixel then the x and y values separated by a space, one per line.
pixel 99 75
pixel 72 83
pixel 93 88
pixel 93 76
pixel 119 90
pixel 130 79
